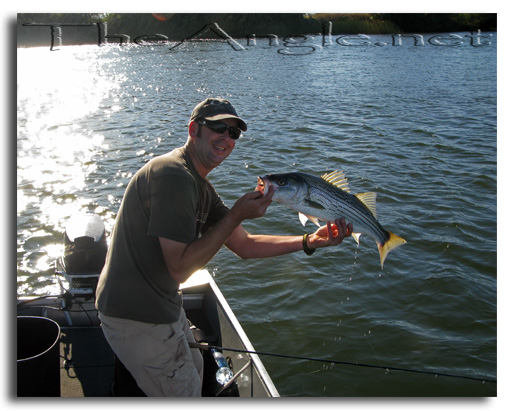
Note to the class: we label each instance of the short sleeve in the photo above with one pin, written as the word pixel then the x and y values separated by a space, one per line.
pixel 172 208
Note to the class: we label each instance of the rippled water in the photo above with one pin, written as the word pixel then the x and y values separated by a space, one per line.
pixel 417 125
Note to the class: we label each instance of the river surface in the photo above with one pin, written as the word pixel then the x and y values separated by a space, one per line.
pixel 415 124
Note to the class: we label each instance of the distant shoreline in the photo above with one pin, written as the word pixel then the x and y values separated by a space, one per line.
pixel 82 29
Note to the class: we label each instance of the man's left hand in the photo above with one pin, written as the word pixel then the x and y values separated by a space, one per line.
pixel 330 234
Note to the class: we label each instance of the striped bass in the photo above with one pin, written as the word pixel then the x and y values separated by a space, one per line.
pixel 328 198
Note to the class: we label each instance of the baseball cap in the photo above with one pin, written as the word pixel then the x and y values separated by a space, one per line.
pixel 214 109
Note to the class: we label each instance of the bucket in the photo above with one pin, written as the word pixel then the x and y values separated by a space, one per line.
pixel 38 364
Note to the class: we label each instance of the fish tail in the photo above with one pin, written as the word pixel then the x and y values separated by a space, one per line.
pixel 392 242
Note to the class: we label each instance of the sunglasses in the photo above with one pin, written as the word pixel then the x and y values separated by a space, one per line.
pixel 219 127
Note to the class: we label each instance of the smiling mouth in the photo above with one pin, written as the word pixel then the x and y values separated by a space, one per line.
pixel 219 148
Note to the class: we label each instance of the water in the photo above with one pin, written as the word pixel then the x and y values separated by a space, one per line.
pixel 417 125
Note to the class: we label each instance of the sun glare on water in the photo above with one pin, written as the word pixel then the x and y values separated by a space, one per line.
pixel 55 152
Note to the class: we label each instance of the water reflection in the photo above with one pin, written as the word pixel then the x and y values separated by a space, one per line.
pixel 55 153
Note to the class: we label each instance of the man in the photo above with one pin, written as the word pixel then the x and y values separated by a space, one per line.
pixel 171 223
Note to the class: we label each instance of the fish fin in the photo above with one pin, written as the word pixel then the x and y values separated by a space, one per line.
pixel 304 218
pixel 315 221
pixel 370 201
pixel 393 242
pixel 337 179
pixel 356 236
pixel 314 204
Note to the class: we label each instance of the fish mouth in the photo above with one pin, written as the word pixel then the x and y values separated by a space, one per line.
pixel 263 184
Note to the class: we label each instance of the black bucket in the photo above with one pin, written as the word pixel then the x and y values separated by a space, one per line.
pixel 38 362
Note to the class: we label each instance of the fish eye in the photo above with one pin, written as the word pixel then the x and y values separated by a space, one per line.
pixel 281 182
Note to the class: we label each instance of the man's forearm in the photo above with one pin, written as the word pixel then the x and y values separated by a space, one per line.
pixel 183 260
pixel 262 246
pixel 247 245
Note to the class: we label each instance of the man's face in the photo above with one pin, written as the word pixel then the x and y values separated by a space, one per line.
pixel 214 147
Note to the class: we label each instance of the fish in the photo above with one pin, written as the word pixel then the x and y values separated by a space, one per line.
pixel 328 198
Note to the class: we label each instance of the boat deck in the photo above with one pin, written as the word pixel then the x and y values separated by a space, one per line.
pixel 83 374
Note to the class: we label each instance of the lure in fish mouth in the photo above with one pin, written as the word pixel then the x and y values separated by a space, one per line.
pixel 263 185
pixel 328 198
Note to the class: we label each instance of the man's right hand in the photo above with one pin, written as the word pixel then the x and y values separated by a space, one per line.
pixel 253 205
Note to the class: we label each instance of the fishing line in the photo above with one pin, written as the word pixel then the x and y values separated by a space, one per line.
pixel 371 346
pixel 357 364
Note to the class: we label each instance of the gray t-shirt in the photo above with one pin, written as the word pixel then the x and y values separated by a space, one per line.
pixel 165 198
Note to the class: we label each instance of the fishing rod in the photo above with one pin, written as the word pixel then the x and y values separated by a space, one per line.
pixel 204 346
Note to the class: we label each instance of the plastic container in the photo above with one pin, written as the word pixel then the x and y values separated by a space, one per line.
pixel 224 373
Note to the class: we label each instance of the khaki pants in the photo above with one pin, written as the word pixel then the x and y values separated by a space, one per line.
pixel 157 355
